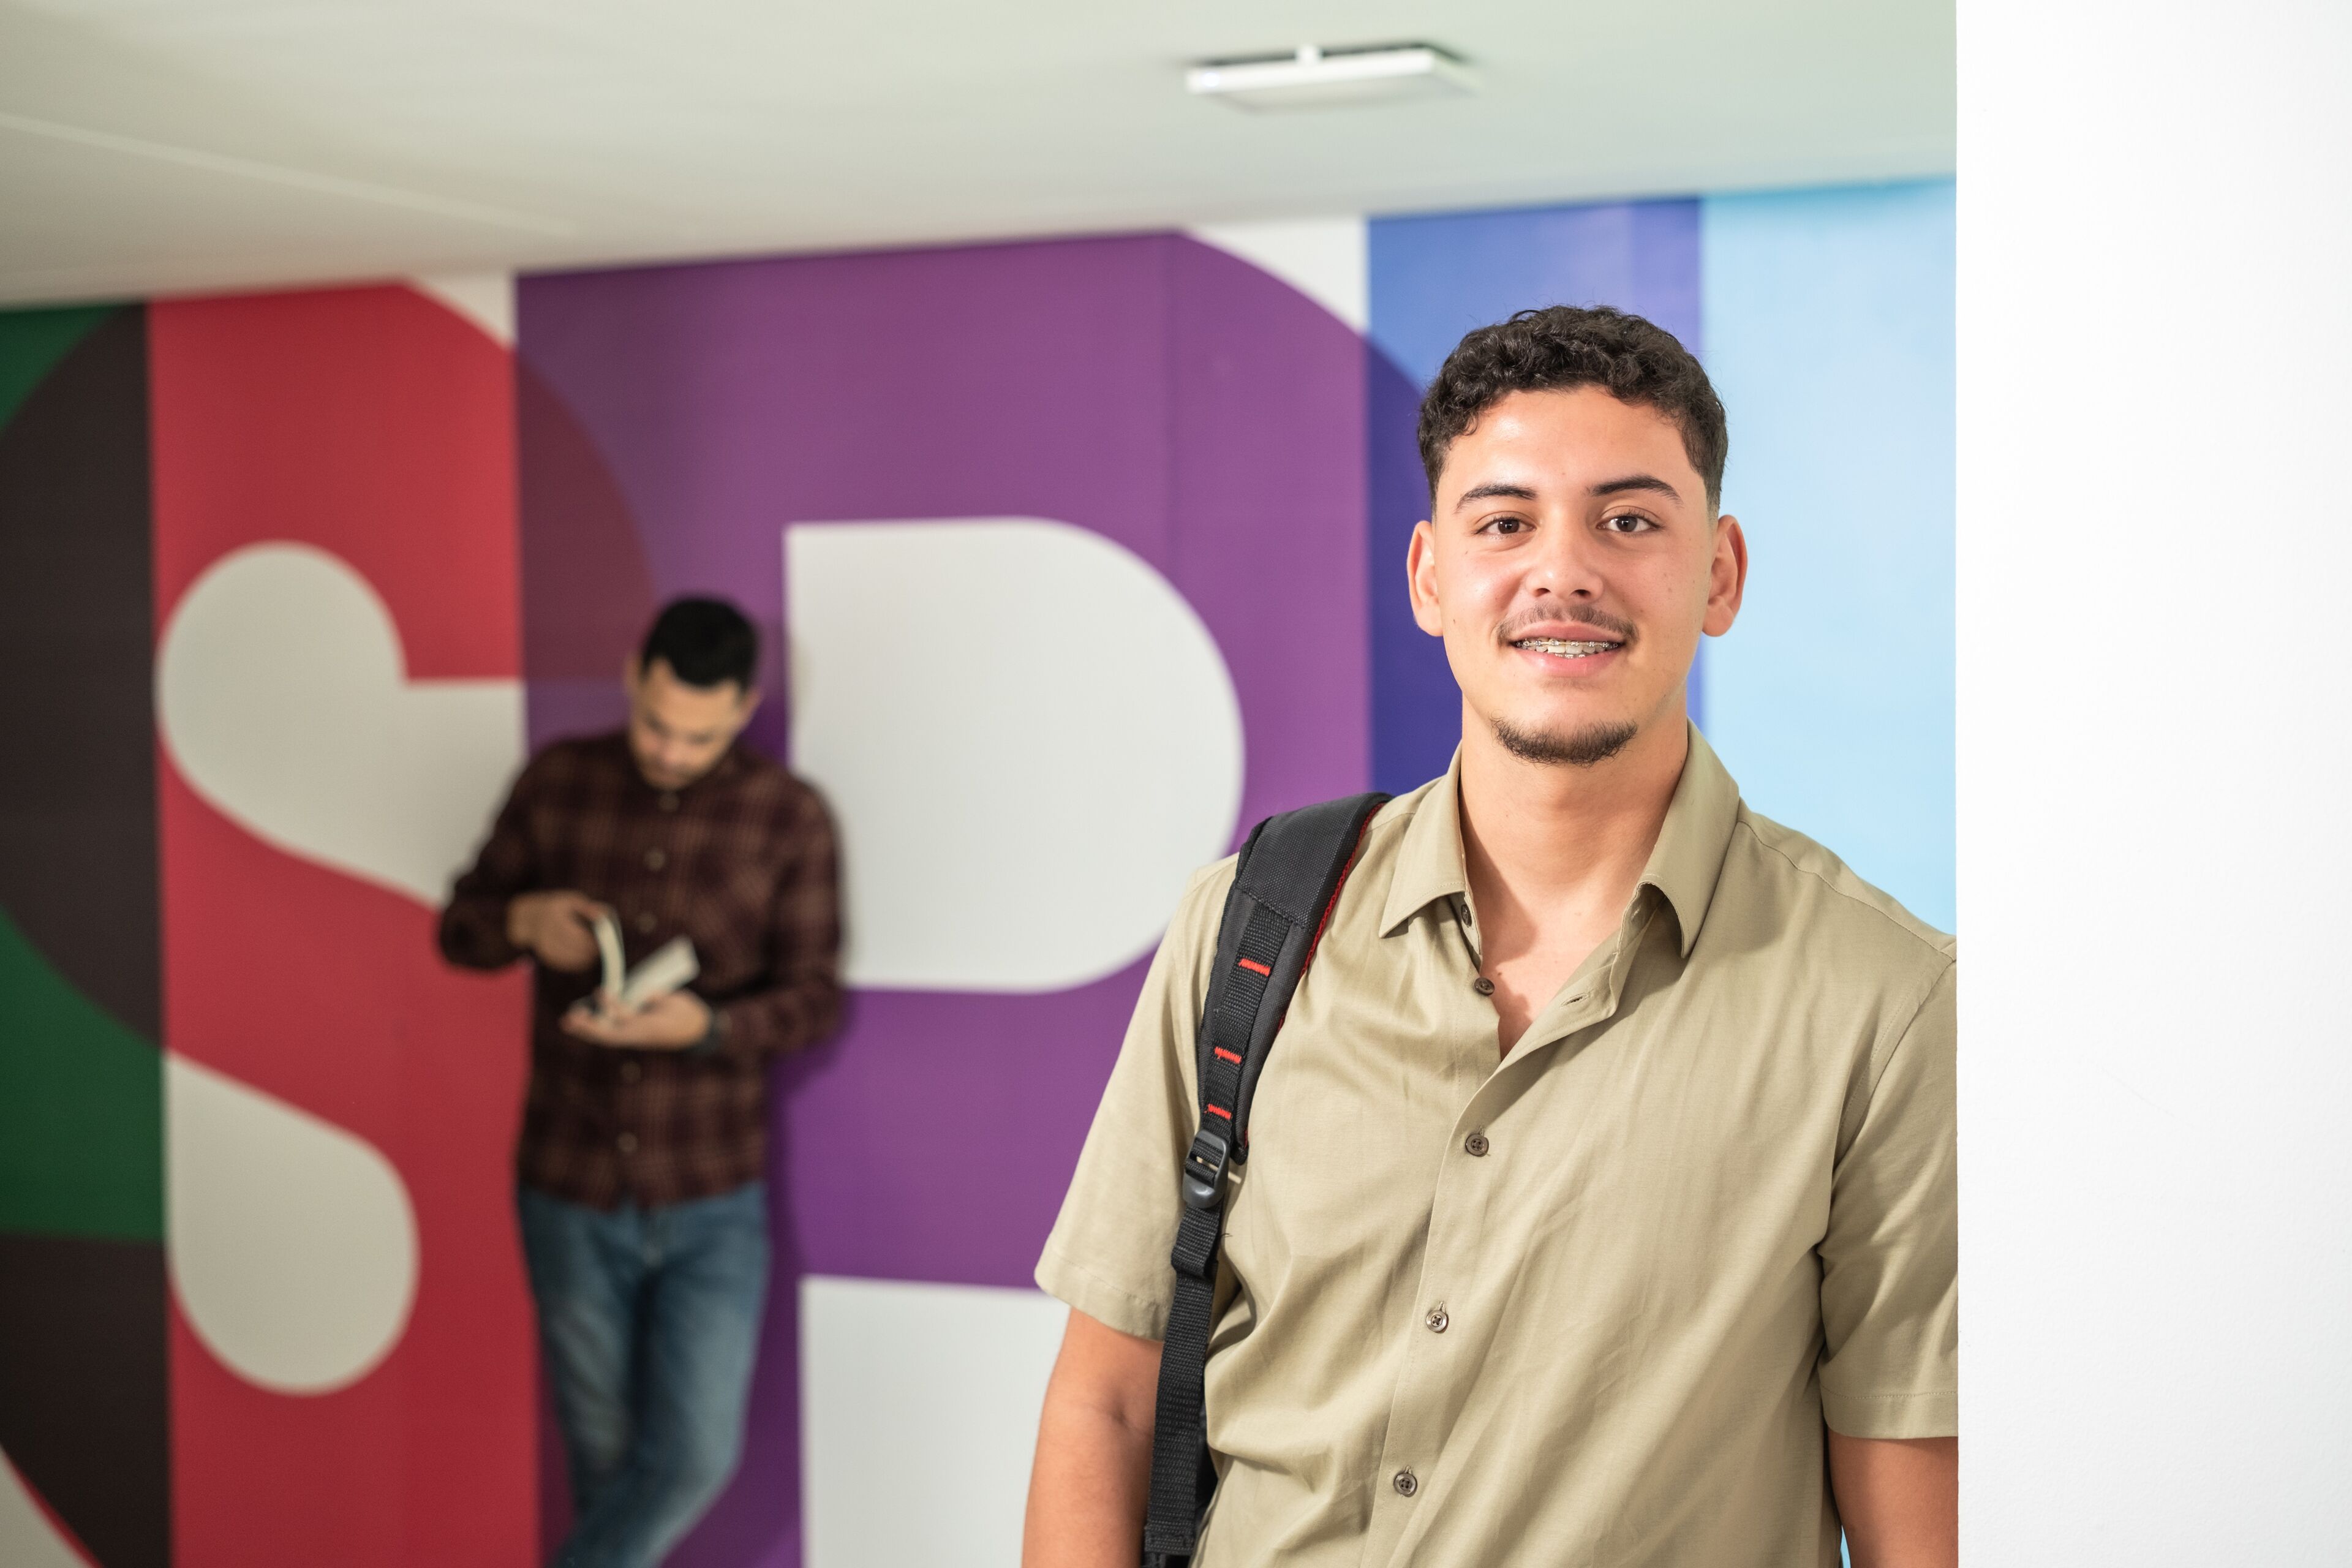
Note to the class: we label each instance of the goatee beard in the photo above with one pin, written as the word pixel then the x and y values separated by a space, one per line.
pixel 1581 747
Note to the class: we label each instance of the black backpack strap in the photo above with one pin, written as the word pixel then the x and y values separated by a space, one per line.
pixel 1290 874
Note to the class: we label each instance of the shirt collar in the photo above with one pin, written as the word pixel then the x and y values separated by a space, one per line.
pixel 1683 865
pixel 728 762
pixel 1429 860
pixel 1687 860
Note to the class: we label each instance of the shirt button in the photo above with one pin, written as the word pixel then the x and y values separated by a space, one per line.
pixel 626 1142
pixel 656 859
pixel 668 802
pixel 630 1072
pixel 645 921
pixel 1483 987
pixel 1476 1145
pixel 1437 1319
pixel 1406 1483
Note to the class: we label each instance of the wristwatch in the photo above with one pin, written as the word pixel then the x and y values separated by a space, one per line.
pixel 712 1038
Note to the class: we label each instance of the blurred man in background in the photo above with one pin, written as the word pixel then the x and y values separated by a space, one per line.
pixel 644 1152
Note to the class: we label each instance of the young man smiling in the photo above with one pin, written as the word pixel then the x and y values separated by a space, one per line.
pixel 1599 1205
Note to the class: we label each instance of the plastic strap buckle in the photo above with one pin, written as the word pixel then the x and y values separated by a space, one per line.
pixel 1205 1169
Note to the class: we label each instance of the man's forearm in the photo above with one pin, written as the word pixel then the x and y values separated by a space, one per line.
pixel 473 932
pixel 1899 1499
pixel 783 1019
pixel 1093 1469
pixel 473 927
pixel 1087 1490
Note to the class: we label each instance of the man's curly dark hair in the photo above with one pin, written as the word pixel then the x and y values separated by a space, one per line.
pixel 1563 346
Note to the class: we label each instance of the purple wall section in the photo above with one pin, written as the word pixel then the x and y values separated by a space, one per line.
pixel 1169 398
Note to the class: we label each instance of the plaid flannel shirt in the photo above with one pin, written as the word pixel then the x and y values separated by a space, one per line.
pixel 742 862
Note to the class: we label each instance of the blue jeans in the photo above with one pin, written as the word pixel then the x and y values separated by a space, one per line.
pixel 649 1321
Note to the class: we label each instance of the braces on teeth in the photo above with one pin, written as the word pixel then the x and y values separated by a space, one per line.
pixel 1564 648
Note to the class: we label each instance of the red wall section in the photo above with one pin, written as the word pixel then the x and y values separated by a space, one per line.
pixel 371 423
pixel 377 425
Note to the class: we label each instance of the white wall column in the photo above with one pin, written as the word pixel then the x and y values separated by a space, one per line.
pixel 2155 397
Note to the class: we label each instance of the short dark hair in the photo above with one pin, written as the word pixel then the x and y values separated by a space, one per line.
pixel 1564 346
pixel 705 642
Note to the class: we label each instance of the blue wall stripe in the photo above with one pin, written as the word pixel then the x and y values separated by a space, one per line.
pixel 1433 280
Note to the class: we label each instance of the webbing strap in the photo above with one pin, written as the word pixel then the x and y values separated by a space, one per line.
pixel 1290 875
pixel 1183 1476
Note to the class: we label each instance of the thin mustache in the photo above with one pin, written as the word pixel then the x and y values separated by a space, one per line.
pixel 1512 630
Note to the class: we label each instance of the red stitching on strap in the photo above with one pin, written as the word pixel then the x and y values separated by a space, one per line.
pixel 1336 892
pixel 1227 1054
pixel 1317 940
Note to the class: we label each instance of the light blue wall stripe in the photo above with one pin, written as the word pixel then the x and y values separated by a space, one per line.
pixel 1829 334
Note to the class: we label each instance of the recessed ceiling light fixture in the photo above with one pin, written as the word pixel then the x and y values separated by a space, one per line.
pixel 1317 77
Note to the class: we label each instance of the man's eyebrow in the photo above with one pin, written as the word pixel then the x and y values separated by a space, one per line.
pixel 1488 492
pixel 1636 482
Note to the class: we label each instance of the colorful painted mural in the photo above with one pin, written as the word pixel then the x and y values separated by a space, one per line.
pixel 1075 559
pixel 336 696
pixel 85 1409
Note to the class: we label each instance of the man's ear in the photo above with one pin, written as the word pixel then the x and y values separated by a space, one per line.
pixel 1421 579
pixel 633 674
pixel 1726 582
pixel 746 705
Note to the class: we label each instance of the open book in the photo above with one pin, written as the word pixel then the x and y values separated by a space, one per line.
pixel 665 970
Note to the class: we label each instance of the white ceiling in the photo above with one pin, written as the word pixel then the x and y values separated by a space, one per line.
pixel 155 146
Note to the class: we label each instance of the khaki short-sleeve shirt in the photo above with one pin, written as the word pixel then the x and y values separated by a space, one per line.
pixel 1587 1303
